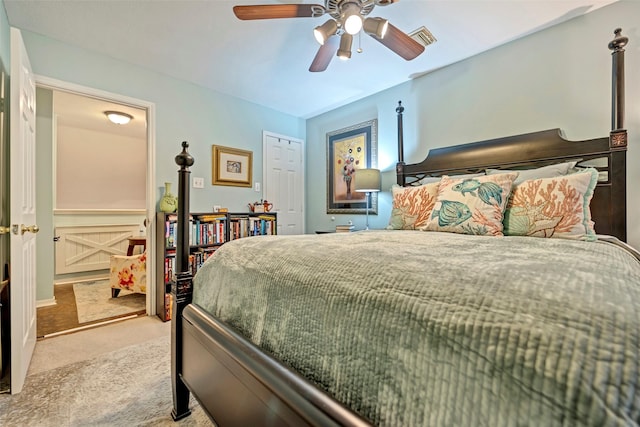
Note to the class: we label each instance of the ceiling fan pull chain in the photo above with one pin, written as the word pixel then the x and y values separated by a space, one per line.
pixel 359 50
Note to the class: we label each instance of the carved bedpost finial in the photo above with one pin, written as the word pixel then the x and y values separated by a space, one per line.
pixel 618 136
pixel 619 42
pixel 184 159
pixel 400 164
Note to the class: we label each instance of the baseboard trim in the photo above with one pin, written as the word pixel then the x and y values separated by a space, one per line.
pixel 81 280
pixel 46 302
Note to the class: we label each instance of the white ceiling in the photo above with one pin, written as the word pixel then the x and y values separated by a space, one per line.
pixel 267 61
pixel 88 113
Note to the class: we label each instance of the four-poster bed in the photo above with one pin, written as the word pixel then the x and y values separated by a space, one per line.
pixel 479 341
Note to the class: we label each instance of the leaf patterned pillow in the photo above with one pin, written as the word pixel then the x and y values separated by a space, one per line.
pixel 553 207
pixel 412 206
pixel 471 205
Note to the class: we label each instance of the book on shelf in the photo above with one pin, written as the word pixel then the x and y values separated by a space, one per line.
pixel 206 232
pixel 247 225
pixel 344 228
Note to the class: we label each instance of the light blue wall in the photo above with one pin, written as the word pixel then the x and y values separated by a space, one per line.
pixel 183 112
pixel 556 78
pixel 559 77
pixel 5 43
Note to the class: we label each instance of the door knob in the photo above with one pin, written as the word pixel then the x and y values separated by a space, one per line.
pixel 31 229
pixel 5 230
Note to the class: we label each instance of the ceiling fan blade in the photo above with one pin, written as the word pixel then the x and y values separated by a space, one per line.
pixel 401 43
pixel 325 54
pixel 273 11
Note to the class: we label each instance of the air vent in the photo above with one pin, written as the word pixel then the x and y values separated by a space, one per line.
pixel 423 36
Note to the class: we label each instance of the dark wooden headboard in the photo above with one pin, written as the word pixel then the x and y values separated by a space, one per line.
pixel 531 150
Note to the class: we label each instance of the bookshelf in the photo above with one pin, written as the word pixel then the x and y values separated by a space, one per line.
pixel 207 232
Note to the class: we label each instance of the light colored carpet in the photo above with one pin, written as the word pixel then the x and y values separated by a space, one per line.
pixel 126 387
pixel 94 302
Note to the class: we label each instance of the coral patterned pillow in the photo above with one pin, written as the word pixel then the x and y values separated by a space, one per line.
pixel 412 206
pixel 471 205
pixel 553 207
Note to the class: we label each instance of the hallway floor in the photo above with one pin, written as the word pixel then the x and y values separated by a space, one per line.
pixel 63 316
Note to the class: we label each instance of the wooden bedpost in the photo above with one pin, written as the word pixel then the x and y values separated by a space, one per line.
pixel 618 133
pixel 618 136
pixel 182 288
pixel 400 164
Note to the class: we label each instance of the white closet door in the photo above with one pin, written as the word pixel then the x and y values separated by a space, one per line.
pixel 284 180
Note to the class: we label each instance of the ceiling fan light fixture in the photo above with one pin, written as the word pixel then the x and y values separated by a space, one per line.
pixel 344 52
pixel 118 117
pixel 351 18
pixel 324 31
pixel 376 27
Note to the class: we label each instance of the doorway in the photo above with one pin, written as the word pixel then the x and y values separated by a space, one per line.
pixel 87 220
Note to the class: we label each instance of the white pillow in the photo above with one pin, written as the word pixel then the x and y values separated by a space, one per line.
pixel 432 179
pixel 549 171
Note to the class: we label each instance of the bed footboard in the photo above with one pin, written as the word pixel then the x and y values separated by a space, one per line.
pixel 240 385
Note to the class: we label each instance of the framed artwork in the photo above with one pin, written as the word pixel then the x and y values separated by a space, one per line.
pixel 349 149
pixel 231 166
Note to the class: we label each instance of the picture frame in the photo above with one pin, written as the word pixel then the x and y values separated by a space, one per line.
pixel 348 149
pixel 231 166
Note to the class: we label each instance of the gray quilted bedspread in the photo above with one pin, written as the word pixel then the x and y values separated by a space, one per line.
pixel 413 328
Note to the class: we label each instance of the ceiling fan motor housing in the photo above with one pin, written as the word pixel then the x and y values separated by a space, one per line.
pixel 342 26
pixel 335 8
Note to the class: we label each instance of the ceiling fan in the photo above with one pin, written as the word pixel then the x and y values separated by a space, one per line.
pixel 347 18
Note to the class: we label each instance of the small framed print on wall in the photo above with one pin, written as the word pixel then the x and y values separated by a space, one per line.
pixel 348 149
pixel 231 166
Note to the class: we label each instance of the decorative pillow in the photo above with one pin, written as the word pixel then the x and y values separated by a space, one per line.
pixel 553 207
pixel 549 171
pixel 432 179
pixel 471 205
pixel 129 272
pixel 412 206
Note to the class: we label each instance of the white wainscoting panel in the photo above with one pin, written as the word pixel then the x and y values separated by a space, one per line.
pixel 89 247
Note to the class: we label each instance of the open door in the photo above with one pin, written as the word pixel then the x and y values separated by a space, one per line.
pixel 22 145
pixel 5 333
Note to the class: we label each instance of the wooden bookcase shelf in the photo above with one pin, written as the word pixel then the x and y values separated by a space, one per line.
pixel 207 232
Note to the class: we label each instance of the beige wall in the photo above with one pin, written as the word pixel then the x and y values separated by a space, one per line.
pixel 95 170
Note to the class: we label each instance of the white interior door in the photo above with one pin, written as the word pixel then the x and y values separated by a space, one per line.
pixel 22 140
pixel 284 181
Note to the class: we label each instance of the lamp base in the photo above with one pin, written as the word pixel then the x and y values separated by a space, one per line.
pixel 367 225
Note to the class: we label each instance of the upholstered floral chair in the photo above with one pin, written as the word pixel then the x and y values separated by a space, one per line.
pixel 128 272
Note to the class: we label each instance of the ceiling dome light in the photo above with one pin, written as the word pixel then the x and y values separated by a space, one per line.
pixel 376 27
pixel 344 52
pixel 351 18
pixel 118 117
pixel 326 30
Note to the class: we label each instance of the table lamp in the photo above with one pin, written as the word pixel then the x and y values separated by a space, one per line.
pixel 367 181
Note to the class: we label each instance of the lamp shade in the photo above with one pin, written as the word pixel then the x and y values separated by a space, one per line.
pixel 376 27
pixel 344 52
pixel 352 20
pixel 367 180
pixel 326 30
